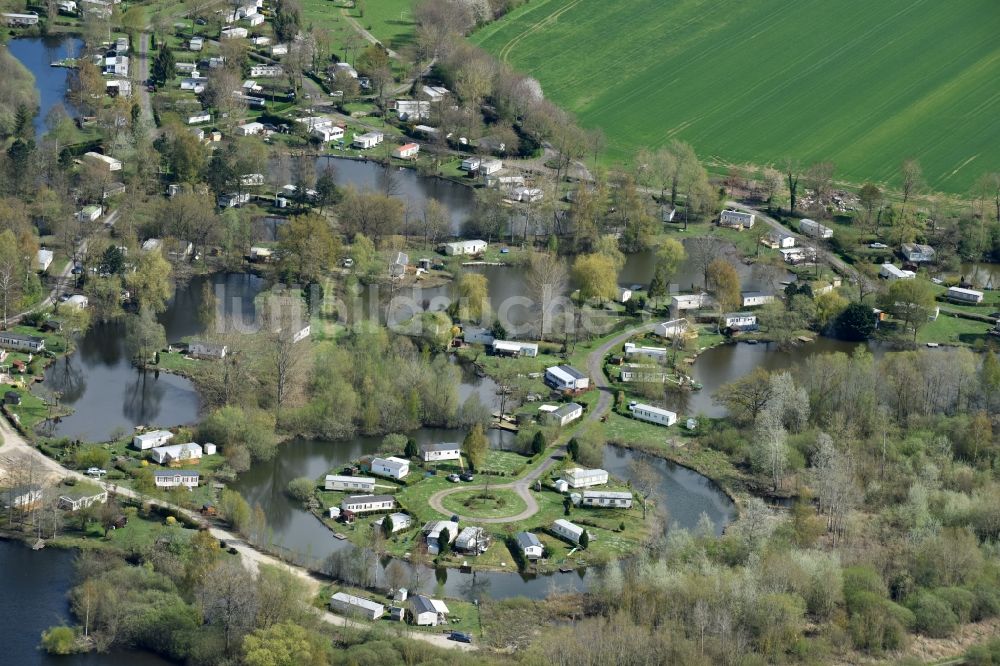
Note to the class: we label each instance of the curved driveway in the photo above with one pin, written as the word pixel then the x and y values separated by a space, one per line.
pixel 595 369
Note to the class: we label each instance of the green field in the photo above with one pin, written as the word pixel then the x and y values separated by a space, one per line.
pixel 863 84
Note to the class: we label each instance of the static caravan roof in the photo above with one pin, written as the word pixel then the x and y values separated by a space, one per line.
pixel 568 409
pixel 656 410
pixel 360 602
pixel 569 527
pixel 609 494
pixel 566 372
pixel 527 540
pixel 441 446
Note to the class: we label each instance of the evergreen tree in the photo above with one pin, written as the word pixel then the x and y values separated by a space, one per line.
pixel 387 524
pixel 538 443
pixel 164 66
pixel 411 450
pixel 584 540
pixel 573 449
pixel 444 541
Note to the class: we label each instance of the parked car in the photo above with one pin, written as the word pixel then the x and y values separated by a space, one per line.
pixel 878 246
pixel 460 636
pixel 454 478
pixel 466 477
pixel 96 471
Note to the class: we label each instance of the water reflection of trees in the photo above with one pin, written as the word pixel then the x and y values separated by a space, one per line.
pixel 67 378
pixel 143 397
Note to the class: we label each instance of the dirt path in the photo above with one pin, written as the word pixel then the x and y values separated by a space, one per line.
pixel 595 369
pixel 369 37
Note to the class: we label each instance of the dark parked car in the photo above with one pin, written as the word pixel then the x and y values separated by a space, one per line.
pixel 466 477
pixel 460 636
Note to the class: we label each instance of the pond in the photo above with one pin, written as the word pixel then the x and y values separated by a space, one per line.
pixel 35 599
pixel 685 494
pixel 38 54
pixel 405 184
pixel 109 395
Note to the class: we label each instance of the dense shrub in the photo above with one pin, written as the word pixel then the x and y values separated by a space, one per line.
pixel 933 615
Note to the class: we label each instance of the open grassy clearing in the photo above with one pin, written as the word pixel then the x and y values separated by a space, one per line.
pixel 863 84
pixel 482 504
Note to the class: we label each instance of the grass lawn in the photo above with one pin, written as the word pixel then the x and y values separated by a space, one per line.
pixel 950 329
pixel 32 409
pixel 480 504
pixel 755 82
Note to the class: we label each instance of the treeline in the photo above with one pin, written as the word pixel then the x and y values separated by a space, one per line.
pixel 373 382
pixel 186 598
pixel 891 462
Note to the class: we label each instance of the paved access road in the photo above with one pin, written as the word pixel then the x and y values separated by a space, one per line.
pixel 595 369
pixel 17 453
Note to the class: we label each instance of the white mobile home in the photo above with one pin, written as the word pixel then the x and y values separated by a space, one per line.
pixel 21 342
pixel 440 451
pixel 740 321
pixel 432 534
pixel 176 453
pixel 736 219
pixel 368 503
pixel 250 129
pixel 427 612
pixel 207 350
pixel 103 161
pixel 607 499
pixel 672 329
pixel 752 299
pixel 529 545
pixel 175 478
pixel 511 348
pixel 400 521
pixel 233 32
pixel 564 415
pixel 196 43
pixel 465 247
pixel 566 378
pixel 778 240
pixel 653 414
pixel 917 253
pixel 472 540
pixel 407 151
pixel 152 439
pixel 360 483
pixel 632 349
pixel 814 229
pixel 43 259
pixel 91 213
pixel 470 164
pixel 681 302
pixel 200 118
pixel 392 467
pixel 569 531
pixel 577 477
pixel 411 109
pixel 348 604
pixel 892 273
pixel 266 71
pixel 367 140
pixel 82 499
pixel 962 295
pixel 330 133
